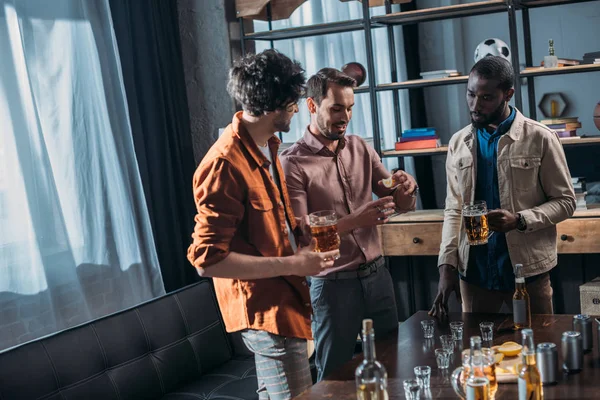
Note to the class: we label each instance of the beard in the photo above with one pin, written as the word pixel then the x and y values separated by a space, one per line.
pixel 327 133
pixel 282 123
pixel 489 119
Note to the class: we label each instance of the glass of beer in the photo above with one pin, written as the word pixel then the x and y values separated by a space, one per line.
pixel 323 227
pixel 476 222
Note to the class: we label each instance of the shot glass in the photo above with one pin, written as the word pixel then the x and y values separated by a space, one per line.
pixel 411 389
pixel 447 343
pixel 487 331
pixel 428 326
pixel 442 357
pixel 423 374
pixel 456 327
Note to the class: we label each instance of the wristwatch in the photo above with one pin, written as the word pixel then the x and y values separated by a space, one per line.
pixel 521 223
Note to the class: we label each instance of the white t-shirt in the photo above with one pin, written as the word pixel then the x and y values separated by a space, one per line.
pixel 267 152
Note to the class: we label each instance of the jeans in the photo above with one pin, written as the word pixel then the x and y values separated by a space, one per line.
pixel 282 368
pixel 339 306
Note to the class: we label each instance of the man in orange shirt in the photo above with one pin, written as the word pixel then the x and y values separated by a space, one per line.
pixel 245 234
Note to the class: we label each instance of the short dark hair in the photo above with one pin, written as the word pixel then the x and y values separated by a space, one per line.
pixel 316 87
pixel 497 68
pixel 266 81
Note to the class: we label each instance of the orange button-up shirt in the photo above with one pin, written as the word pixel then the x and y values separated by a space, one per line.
pixel 241 209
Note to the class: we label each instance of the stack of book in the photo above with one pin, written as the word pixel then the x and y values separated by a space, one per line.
pixel 565 127
pixel 579 187
pixel 421 138
pixel 565 62
pixel 442 73
pixel 591 58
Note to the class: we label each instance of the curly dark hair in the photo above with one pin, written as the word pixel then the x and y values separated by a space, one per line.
pixel 496 68
pixel 317 84
pixel 266 81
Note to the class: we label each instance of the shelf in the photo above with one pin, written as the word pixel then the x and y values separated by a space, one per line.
pixel 444 149
pixel 582 141
pixel 541 71
pixel 419 152
pixel 547 3
pixel 420 83
pixel 439 13
pixel 305 31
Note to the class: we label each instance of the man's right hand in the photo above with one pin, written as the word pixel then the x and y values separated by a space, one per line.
pixel 449 282
pixel 307 262
pixel 375 212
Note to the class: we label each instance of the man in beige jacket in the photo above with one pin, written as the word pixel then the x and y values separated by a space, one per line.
pixel 518 167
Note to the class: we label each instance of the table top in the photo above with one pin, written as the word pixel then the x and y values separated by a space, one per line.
pixel 401 351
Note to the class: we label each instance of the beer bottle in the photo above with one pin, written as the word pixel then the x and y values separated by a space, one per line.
pixel 521 304
pixel 371 376
pixel 530 380
pixel 478 385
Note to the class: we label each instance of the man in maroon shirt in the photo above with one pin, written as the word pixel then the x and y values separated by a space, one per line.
pixel 328 170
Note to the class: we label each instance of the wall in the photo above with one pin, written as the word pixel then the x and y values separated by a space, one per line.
pixel 451 44
pixel 205 45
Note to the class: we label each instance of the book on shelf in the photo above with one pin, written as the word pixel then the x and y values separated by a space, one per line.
pixel 566 126
pixel 565 62
pixel 560 120
pixel 418 144
pixel 591 58
pixel 443 73
pixel 419 132
pixel 566 134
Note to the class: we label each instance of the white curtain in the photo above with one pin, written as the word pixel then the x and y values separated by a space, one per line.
pixel 75 236
pixel 336 50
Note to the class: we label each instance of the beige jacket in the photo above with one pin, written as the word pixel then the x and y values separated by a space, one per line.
pixel 533 179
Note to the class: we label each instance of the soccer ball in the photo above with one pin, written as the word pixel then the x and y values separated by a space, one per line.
pixel 492 47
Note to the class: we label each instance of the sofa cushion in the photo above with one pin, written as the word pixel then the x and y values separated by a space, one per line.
pixel 236 380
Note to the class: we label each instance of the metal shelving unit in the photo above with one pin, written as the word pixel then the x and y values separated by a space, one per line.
pixel 389 20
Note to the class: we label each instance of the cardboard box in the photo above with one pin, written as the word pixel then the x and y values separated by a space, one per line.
pixel 589 294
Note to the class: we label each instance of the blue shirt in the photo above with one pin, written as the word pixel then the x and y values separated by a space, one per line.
pixel 489 265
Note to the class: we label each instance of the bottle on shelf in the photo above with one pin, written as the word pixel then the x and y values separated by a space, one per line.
pixel 371 376
pixel 530 380
pixel 521 304
pixel 478 385
pixel 550 61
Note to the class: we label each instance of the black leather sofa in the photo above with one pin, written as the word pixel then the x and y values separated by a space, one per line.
pixel 173 348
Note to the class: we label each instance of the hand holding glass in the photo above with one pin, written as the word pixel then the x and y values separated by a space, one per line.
pixel 475 220
pixel 323 227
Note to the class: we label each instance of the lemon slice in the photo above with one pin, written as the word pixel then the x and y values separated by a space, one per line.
pixel 498 357
pixel 388 182
pixel 510 349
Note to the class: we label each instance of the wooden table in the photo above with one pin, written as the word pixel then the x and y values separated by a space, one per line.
pixel 401 351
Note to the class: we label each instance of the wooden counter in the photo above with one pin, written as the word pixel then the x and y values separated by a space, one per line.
pixel 419 233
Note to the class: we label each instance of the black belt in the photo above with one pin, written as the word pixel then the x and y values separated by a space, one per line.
pixel 362 271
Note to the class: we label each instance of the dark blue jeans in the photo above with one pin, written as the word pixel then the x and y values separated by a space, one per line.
pixel 339 306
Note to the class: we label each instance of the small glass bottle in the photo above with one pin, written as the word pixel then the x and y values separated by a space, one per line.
pixel 530 380
pixel 371 376
pixel 550 61
pixel 521 303
pixel 478 385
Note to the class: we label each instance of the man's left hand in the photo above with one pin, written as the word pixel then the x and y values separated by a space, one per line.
pixel 502 220
pixel 405 182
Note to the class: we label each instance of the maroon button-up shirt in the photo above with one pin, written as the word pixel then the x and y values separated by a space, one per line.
pixel 319 179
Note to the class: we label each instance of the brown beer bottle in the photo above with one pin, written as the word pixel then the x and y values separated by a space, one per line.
pixel 521 305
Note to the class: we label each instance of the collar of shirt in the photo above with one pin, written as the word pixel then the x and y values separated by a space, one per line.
pixel 502 128
pixel 248 142
pixel 316 146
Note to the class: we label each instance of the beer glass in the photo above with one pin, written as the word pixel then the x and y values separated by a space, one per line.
pixel 323 227
pixel 476 222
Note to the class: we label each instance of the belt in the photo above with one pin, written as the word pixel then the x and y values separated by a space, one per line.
pixel 362 271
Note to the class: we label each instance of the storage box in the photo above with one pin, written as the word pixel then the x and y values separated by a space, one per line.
pixel 589 294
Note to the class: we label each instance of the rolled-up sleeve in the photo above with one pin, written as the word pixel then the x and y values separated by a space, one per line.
pixel 220 209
